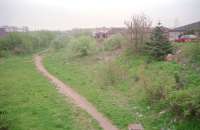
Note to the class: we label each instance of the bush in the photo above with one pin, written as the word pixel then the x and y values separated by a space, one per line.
pixel 113 43
pixel 189 55
pixel 174 88
pixel 10 42
pixel 22 43
pixel 4 53
pixel 185 103
pixel 195 53
pixel 156 80
pixel 82 45
pixel 4 124
pixel 43 38
pixel 155 91
pixel 60 42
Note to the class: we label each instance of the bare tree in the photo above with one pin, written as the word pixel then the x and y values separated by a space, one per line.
pixel 138 30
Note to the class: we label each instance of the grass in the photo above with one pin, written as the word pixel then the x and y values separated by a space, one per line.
pixel 29 102
pixel 124 102
pixel 120 88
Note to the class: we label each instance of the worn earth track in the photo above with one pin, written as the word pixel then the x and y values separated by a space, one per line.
pixel 76 98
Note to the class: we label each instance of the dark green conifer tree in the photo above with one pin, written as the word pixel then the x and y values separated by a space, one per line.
pixel 159 45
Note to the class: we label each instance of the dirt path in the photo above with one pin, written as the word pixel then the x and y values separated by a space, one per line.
pixel 77 99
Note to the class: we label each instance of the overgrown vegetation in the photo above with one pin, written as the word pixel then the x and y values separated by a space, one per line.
pixel 82 45
pixel 4 124
pixel 111 74
pixel 25 43
pixel 60 41
pixel 185 99
pixel 189 55
pixel 114 42
pixel 131 87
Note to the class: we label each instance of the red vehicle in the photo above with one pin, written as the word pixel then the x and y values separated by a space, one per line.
pixel 186 38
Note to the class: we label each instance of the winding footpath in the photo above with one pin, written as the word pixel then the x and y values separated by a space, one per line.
pixel 76 98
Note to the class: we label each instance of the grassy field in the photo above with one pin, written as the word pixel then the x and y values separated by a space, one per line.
pixel 123 102
pixel 29 102
pixel 129 88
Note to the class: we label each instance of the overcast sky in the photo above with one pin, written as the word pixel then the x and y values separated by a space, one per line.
pixel 67 14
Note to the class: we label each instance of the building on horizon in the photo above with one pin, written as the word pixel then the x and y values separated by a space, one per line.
pixel 4 30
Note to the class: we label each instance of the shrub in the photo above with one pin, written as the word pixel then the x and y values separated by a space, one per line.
pixel 82 45
pixel 155 91
pixel 4 124
pixel 156 80
pixel 194 55
pixel 10 41
pixel 180 79
pixel 21 43
pixel 60 42
pixel 43 38
pixel 113 43
pixel 4 53
pixel 185 103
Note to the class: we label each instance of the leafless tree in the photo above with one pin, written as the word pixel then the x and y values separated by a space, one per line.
pixel 138 30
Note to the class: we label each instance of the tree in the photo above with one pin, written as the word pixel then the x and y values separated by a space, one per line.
pixel 138 29
pixel 159 45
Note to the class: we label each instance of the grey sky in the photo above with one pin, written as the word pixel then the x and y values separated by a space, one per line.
pixel 67 14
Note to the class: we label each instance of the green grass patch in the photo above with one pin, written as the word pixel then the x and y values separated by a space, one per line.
pixel 122 89
pixel 124 102
pixel 29 102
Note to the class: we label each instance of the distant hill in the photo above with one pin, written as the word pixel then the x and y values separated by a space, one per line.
pixel 194 26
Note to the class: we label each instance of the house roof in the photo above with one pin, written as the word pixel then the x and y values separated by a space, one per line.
pixel 2 32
